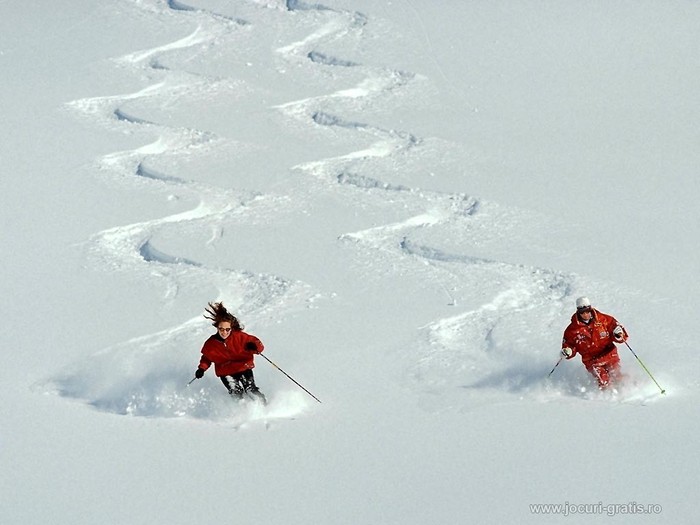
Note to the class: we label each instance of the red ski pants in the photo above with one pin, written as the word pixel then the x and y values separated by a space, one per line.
pixel 605 368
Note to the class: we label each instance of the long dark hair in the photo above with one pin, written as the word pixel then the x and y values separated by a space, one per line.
pixel 217 312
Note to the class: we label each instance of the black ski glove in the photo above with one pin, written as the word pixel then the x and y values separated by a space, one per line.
pixel 250 346
pixel 199 373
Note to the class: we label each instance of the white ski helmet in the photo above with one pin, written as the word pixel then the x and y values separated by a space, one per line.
pixel 582 303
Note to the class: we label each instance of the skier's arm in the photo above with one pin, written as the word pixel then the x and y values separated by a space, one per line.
pixel 568 349
pixel 616 330
pixel 204 363
pixel 619 334
pixel 253 344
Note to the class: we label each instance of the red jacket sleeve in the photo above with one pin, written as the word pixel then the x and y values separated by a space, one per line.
pixel 212 352
pixel 610 324
pixel 568 341
pixel 204 363
pixel 249 338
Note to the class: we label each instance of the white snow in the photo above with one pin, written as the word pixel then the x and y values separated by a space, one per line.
pixel 402 199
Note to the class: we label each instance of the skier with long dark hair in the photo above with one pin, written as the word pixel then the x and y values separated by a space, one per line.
pixel 231 351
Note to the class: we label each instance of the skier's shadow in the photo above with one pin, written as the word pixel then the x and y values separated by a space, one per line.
pixel 519 378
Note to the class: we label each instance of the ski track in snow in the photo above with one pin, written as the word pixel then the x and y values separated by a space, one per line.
pixel 478 346
pixel 146 384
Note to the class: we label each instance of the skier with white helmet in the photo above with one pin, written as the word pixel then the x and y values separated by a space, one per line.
pixel 592 335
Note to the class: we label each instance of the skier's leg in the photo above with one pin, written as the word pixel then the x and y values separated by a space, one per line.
pixel 233 385
pixel 613 367
pixel 608 370
pixel 599 371
pixel 248 383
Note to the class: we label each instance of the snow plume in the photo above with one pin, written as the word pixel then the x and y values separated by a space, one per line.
pixel 145 376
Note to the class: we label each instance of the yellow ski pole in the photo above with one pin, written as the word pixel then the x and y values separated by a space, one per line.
pixel 663 391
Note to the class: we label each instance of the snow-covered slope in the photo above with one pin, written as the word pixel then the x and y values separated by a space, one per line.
pixel 402 200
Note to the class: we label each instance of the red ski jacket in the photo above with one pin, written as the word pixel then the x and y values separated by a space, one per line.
pixel 592 340
pixel 229 355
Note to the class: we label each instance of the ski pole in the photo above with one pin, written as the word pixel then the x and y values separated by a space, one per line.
pixel 191 381
pixel 555 366
pixel 290 377
pixel 663 391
